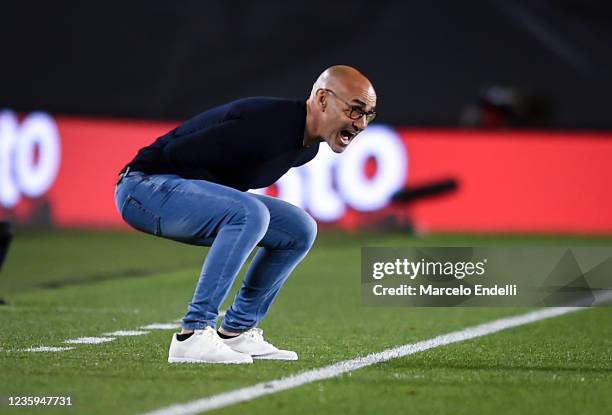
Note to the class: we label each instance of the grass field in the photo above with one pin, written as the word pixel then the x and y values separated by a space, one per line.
pixel 63 285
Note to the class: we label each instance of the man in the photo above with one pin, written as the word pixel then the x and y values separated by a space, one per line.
pixel 190 185
pixel 5 240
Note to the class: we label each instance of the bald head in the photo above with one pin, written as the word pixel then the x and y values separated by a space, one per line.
pixel 341 104
pixel 343 77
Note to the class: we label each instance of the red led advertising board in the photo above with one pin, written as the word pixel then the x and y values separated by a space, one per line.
pixel 61 171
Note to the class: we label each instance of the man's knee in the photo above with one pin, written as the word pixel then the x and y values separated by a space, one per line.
pixel 307 232
pixel 254 215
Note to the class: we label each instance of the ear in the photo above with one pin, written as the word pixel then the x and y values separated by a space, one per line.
pixel 321 98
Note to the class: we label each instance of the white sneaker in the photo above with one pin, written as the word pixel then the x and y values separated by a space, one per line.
pixel 204 346
pixel 252 343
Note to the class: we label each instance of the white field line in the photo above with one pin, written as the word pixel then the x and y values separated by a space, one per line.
pixel 267 388
pixel 121 333
pixel 161 326
pixel 90 340
pixel 47 349
pixel 106 339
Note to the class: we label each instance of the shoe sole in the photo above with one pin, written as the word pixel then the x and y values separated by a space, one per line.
pixel 223 362
pixel 264 357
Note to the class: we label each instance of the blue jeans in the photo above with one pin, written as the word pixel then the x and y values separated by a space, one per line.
pixel 232 223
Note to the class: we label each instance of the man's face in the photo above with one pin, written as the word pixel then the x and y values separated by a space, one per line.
pixel 347 110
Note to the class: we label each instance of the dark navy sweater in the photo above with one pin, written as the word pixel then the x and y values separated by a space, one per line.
pixel 245 144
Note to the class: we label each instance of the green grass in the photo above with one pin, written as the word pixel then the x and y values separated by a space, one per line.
pixel 61 285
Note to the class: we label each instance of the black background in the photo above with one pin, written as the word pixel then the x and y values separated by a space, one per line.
pixel 427 60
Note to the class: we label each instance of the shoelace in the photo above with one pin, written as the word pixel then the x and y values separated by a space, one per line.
pixel 256 334
pixel 212 335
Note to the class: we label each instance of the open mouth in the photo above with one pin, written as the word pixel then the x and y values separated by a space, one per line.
pixel 346 136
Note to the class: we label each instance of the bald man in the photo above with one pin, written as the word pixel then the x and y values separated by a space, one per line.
pixel 191 185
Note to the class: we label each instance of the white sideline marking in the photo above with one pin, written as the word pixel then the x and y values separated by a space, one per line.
pixel 160 326
pixel 126 333
pixel 267 388
pixel 89 340
pixel 99 340
pixel 47 349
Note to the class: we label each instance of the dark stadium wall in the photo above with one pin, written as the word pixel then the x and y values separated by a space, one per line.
pixel 428 60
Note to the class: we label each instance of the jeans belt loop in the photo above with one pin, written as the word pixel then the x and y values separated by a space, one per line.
pixel 122 175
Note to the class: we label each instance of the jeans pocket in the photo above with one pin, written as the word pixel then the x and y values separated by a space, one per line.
pixel 139 217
